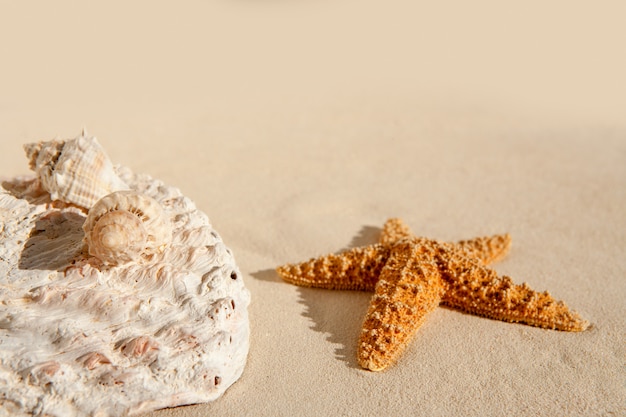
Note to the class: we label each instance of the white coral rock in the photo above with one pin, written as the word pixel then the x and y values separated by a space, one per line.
pixel 81 338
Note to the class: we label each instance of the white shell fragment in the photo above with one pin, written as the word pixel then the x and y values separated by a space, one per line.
pixel 82 334
pixel 76 171
pixel 125 226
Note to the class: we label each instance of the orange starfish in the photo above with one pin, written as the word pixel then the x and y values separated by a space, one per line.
pixel 411 276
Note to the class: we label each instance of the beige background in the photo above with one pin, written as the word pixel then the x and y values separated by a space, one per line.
pixel 300 126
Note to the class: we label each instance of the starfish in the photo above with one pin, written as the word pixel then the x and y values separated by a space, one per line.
pixel 411 276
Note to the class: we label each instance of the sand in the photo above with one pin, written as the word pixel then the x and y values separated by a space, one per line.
pixel 300 127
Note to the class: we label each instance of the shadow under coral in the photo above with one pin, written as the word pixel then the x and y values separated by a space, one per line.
pixel 55 242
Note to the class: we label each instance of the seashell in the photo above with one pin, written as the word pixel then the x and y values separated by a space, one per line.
pixel 125 226
pixel 76 171
pixel 78 339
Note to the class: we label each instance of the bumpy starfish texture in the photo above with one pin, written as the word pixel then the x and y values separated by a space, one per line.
pixel 411 276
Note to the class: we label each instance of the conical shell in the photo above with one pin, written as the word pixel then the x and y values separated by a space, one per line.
pixel 125 226
pixel 76 171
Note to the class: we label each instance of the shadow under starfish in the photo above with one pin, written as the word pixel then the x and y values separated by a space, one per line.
pixel 411 276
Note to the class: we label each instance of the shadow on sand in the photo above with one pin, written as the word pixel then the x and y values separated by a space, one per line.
pixel 336 314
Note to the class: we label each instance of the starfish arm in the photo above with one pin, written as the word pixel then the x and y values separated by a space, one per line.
pixel 410 287
pixel 394 230
pixel 485 249
pixel 476 289
pixel 354 269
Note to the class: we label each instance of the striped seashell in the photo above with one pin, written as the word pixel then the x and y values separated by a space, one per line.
pixel 126 226
pixel 76 171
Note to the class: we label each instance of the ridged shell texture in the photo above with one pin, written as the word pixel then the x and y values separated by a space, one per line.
pixel 76 171
pixel 126 226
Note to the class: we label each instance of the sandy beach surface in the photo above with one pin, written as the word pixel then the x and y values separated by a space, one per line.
pixel 299 127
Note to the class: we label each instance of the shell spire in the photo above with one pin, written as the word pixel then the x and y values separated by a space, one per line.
pixel 76 171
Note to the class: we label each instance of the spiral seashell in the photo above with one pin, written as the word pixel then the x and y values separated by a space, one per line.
pixel 125 226
pixel 76 171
